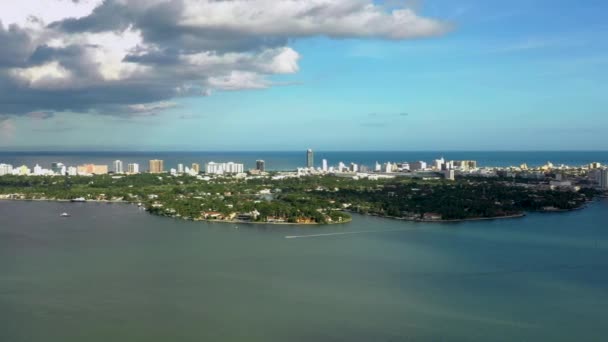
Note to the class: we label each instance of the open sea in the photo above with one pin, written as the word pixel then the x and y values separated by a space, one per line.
pixel 294 159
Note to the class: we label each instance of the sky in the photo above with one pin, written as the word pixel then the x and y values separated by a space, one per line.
pixel 290 75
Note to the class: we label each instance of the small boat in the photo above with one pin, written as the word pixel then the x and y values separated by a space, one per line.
pixel 65 215
pixel 78 199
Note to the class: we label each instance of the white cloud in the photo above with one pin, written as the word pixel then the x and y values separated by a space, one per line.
pixel 146 109
pixel 334 18
pixel 139 54
pixel 21 12
pixel 43 76
pixel 238 80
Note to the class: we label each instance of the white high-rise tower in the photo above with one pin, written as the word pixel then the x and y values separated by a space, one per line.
pixel 118 166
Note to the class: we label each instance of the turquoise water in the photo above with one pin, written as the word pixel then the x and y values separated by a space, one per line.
pixel 114 273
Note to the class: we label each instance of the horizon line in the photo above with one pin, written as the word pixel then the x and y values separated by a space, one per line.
pixel 275 151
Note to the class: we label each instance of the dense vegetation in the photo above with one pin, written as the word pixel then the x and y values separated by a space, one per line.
pixel 314 199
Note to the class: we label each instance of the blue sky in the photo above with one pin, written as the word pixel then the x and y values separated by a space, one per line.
pixel 509 75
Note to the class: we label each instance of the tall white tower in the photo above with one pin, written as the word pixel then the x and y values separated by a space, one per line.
pixel 118 166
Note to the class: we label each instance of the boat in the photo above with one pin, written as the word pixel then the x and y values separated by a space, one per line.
pixel 65 215
pixel 78 199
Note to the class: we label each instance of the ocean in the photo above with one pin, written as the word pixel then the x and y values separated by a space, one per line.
pixel 294 159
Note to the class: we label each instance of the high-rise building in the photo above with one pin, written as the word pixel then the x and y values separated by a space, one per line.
pixel 595 165
pixel 324 165
pixel 23 170
pixel 92 169
pixel 180 168
pixel 604 179
pixel 439 164
pixel 449 174
pixel 260 165
pixel 156 166
pixel 388 167
pixel 133 168
pixel 354 167
pixel 38 170
pixel 118 167
pixel 310 159
pixel 417 165
pixel 72 171
pixel 6 169
pixel 221 168
pixel 196 168
pixel 58 168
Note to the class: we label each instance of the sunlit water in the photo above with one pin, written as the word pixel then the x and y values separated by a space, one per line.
pixel 115 273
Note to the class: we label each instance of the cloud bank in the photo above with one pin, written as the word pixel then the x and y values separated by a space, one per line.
pixel 132 57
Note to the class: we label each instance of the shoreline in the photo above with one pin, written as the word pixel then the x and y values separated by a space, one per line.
pixel 514 216
pixel 180 218
pixel 350 219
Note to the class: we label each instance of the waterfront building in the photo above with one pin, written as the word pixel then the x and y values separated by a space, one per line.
pixel 341 167
pixel 324 165
pixel 92 169
pixel 72 171
pixel 221 168
pixel 118 167
pixel 180 168
pixel 23 170
pixel 6 169
pixel 231 167
pixel 38 170
pixel 156 166
pixel 378 167
pixel 133 168
pixel 604 179
pixel 465 165
pixel 260 165
pixel 196 168
pixel 214 168
pixel 595 165
pixel 58 168
pixel 439 164
pixel 405 166
pixel 388 167
pixel 354 167
pixel 418 165
pixel 310 159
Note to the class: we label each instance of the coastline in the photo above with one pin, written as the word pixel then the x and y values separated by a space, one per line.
pixel 348 220
pixel 514 216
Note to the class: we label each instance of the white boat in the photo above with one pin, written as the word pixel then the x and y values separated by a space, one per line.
pixel 65 215
pixel 78 199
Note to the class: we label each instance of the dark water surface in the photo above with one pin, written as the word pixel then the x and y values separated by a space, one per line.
pixel 114 273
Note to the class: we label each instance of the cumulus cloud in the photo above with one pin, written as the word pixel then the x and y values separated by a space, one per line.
pixel 134 56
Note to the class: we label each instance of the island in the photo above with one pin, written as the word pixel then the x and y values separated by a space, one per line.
pixel 312 199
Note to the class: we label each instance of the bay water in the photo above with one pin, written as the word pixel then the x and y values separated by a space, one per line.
pixel 112 272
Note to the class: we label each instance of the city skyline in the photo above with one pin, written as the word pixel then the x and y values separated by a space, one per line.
pixel 384 76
